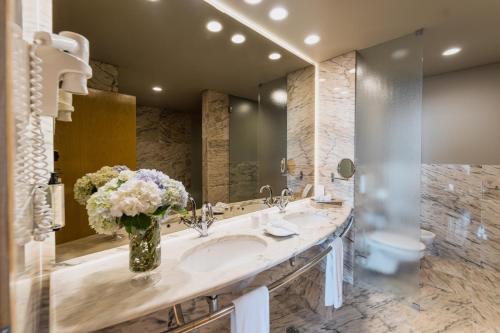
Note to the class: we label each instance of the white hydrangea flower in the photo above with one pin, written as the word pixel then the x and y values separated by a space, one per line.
pixel 135 197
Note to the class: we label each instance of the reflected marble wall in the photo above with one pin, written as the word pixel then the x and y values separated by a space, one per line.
pixel 300 128
pixel 244 180
pixel 164 142
pixel 104 76
pixel 163 136
pixel 215 146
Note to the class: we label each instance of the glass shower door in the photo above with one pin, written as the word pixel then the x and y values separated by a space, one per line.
pixel 388 158
pixel 272 134
pixel 243 165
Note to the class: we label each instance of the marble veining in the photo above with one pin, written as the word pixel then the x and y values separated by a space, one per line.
pixel 164 142
pixel 103 280
pixel 461 205
pixel 336 121
pixel 336 133
pixel 300 128
pixel 215 146
pixel 104 76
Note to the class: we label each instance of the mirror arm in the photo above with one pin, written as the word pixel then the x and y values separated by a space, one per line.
pixel 333 178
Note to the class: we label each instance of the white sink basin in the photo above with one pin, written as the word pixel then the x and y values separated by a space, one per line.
pixel 307 220
pixel 222 253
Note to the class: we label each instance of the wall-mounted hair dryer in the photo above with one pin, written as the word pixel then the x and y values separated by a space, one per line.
pixel 63 57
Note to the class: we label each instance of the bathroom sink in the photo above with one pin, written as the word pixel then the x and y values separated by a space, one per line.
pixel 307 220
pixel 222 253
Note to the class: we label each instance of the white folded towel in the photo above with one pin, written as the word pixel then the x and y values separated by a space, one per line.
pixel 251 313
pixel 334 274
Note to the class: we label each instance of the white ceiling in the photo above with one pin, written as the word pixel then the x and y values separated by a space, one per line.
pixel 166 43
pixel 346 25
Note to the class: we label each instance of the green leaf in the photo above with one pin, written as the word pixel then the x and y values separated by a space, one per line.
pixel 136 224
pixel 161 211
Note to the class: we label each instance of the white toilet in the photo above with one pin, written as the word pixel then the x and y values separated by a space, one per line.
pixel 427 237
pixel 388 250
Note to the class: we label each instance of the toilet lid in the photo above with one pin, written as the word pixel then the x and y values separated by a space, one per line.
pixel 397 241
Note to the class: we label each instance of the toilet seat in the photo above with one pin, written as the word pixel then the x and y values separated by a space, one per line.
pixel 396 241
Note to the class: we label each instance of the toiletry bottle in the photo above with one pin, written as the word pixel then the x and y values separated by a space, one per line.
pixel 56 200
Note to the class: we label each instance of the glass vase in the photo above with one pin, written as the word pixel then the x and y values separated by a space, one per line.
pixel 145 249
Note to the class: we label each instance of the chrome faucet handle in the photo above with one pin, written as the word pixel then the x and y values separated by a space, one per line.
pixel 209 214
pixel 194 222
pixel 283 200
pixel 269 201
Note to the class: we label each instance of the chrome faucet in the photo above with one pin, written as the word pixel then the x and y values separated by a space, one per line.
pixel 282 202
pixel 269 201
pixel 201 223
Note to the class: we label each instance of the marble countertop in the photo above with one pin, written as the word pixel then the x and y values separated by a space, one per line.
pixel 95 291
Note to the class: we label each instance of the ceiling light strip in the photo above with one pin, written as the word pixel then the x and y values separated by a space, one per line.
pixel 258 28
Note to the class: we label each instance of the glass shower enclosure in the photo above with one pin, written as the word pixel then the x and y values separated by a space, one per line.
pixel 388 161
pixel 257 141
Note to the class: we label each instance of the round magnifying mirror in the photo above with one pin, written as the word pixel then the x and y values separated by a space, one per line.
pixel 346 168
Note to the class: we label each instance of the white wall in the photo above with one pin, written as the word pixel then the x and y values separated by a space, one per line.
pixel 461 117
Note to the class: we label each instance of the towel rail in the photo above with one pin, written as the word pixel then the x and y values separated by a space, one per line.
pixel 225 311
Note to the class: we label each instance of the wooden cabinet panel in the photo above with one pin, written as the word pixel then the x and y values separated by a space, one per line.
pixel 103 132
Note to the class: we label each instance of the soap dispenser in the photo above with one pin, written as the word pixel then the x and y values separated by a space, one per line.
pixel 56 201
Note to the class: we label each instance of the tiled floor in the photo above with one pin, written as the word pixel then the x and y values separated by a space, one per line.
pixel 453 297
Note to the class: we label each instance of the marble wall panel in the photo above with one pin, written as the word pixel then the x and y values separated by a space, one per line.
pixel 336 121
pixel 300 128
pixel 336 134
pixel 164 142
pixel 461 205
pixel 104 76
pixel 215 146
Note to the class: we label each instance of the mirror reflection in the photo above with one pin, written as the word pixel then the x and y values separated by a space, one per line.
pixel 346 168
pixel 180 88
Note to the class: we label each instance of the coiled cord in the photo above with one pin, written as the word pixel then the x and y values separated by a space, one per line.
pixel 38 170
pixel 22 192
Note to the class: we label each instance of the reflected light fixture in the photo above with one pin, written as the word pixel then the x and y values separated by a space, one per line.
pixel 279 96
pixel 278 13
pixel 312 39
pixel 275 56
pixel 238 39
pixel 214 26
pixel 400 54
pixel 253 2
pixel 157 89
pixel 451 51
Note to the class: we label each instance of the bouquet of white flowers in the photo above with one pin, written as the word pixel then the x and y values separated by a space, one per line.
pixel 90 183
pixel 133 199
pixel 137 201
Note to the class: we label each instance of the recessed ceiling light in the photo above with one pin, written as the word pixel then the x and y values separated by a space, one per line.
pixel 157 89
pixel 253 2
pixel 275 56
pixel 278 13
pixel 238 38
pixel 214 26
pixel 451 51
pixel 312 39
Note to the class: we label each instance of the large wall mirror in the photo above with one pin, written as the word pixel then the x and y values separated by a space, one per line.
pixel 207 104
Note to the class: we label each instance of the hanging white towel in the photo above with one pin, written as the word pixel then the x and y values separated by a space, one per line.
pixel 334 274
pixel 251 313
